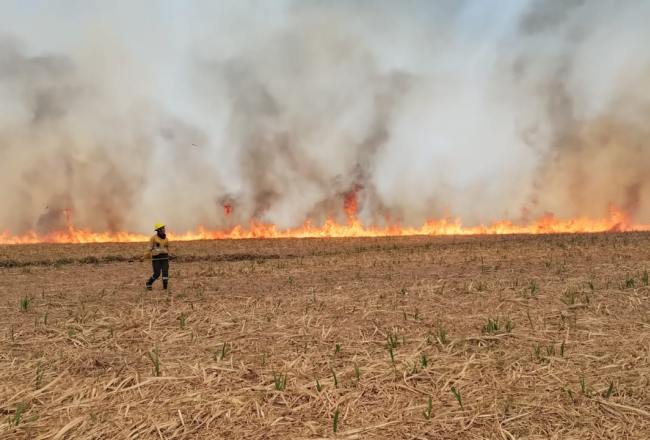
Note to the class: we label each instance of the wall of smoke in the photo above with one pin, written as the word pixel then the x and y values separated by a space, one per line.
pixel 129 112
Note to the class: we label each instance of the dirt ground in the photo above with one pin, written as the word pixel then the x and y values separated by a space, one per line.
pixel 456 337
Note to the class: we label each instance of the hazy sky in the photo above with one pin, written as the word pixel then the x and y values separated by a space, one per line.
pixel 128 111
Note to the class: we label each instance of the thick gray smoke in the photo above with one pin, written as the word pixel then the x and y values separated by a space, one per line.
pixel 121 113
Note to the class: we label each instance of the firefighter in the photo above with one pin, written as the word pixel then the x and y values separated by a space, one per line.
pixel 158 251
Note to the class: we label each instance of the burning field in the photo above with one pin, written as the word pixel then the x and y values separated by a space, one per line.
pixel 512 336
pixel 388 219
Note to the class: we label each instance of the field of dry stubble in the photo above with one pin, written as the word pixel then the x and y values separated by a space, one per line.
pixel 474 337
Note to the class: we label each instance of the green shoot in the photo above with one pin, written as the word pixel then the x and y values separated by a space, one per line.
pixel 423 360
pixel 533 288
pixel 155 361
pixel 279 381
pixel 427 412
pixel 224 351
pixel 457 395
pixel 530 320
pixel 181 320
pixel 39 376
pixel 25 302
pixel 645 279
pixel 18 414
pixel 570 394
pixel 337 349
pixel 583 385
pixel 492 326
pixel 335 424
pixel 392 340
pixel 336 380
pixel 441 335
pixel 357 372
pixel 392 354
pixel 609 391
pixel 319 388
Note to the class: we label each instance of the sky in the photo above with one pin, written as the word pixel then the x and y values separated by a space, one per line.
pixel 126 112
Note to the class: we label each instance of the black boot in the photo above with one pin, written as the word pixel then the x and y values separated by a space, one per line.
pixel 165 284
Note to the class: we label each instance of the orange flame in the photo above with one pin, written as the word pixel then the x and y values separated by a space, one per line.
pixel 616 221
pixel 350 204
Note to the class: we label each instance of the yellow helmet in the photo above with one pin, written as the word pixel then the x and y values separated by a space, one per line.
pixel 158 225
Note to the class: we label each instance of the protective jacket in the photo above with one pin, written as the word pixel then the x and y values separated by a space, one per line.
pixel 158 247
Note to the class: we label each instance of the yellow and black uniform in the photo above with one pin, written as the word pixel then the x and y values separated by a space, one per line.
pixel 158 251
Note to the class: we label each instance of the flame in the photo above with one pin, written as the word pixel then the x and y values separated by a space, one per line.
pixel 615 221
pixel 350 204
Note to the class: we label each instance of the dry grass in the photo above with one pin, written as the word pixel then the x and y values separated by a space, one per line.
pixel 493 337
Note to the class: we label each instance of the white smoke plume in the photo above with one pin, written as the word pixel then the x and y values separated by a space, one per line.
pixel 122 113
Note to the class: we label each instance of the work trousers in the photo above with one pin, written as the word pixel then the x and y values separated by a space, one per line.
pixel 160 264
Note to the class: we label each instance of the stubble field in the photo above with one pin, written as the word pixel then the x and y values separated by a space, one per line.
pixel 458 338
